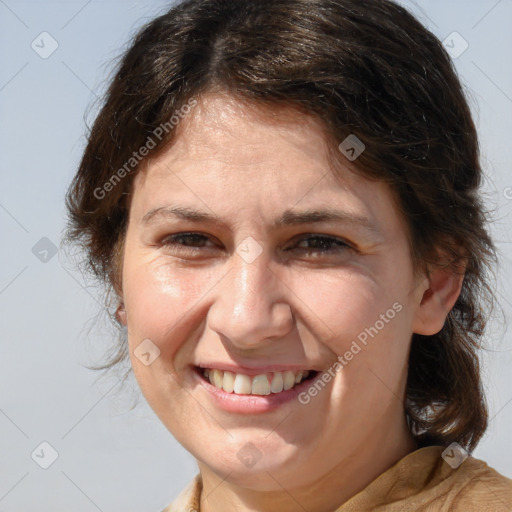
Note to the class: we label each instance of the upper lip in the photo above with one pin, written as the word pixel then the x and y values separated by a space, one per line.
pixel 254 370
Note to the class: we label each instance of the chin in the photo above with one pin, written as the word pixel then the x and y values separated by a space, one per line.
pixel 265 469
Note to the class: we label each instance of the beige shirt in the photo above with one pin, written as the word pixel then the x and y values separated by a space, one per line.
pixel 421 481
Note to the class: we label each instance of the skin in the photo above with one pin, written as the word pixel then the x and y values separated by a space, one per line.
pixel 294 304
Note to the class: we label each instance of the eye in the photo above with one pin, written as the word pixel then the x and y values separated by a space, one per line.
pixel 322 244
pixel 186 243
pixel 193 244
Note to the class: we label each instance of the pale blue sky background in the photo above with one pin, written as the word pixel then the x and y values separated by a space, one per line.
pixel 111 458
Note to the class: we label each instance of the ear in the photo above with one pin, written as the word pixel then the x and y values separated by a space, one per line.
pixel 121 313
pixel 440 293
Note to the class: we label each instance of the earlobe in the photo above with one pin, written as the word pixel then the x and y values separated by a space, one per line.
pixel 439 297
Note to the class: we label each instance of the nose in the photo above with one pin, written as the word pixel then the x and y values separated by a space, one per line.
pixel 251 304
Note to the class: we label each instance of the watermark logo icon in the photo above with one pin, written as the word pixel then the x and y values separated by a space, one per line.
pixel 147 352
pixel 249 249
pixel 454 455
pixel 44 250
pixel 249 455
pixel 455 45
pixel 44 455
pixel 44 45
pixel 352 147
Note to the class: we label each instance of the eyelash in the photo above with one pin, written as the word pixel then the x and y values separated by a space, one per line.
pixel 339 244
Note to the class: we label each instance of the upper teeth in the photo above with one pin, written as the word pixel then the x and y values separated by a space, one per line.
pixel 263 384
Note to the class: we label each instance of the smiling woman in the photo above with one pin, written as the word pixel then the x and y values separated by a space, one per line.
pixel 299 261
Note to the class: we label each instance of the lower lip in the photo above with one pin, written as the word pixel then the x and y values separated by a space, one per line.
pixel 251 404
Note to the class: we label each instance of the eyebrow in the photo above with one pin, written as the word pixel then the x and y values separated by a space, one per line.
pixel 288 218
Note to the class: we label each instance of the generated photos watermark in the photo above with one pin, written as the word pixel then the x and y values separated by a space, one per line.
pixel 137 156
pixel 343 360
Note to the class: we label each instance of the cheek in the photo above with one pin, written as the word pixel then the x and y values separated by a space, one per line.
pixel 341 304
pixel 364 321
pixel 160 302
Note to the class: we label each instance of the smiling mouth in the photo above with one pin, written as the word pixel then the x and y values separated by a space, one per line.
pixel 263 384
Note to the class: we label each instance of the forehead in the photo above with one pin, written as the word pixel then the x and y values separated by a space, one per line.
pixel 223 139
pixel 224 133
pixel 233 156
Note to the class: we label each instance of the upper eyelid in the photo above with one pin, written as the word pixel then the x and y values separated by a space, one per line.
pixel 332 238
pixel 188 233
pixel 297 238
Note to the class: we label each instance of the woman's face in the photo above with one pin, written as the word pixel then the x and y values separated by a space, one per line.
pixel 245 254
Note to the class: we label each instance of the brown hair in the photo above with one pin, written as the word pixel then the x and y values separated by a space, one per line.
pixel 363 67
